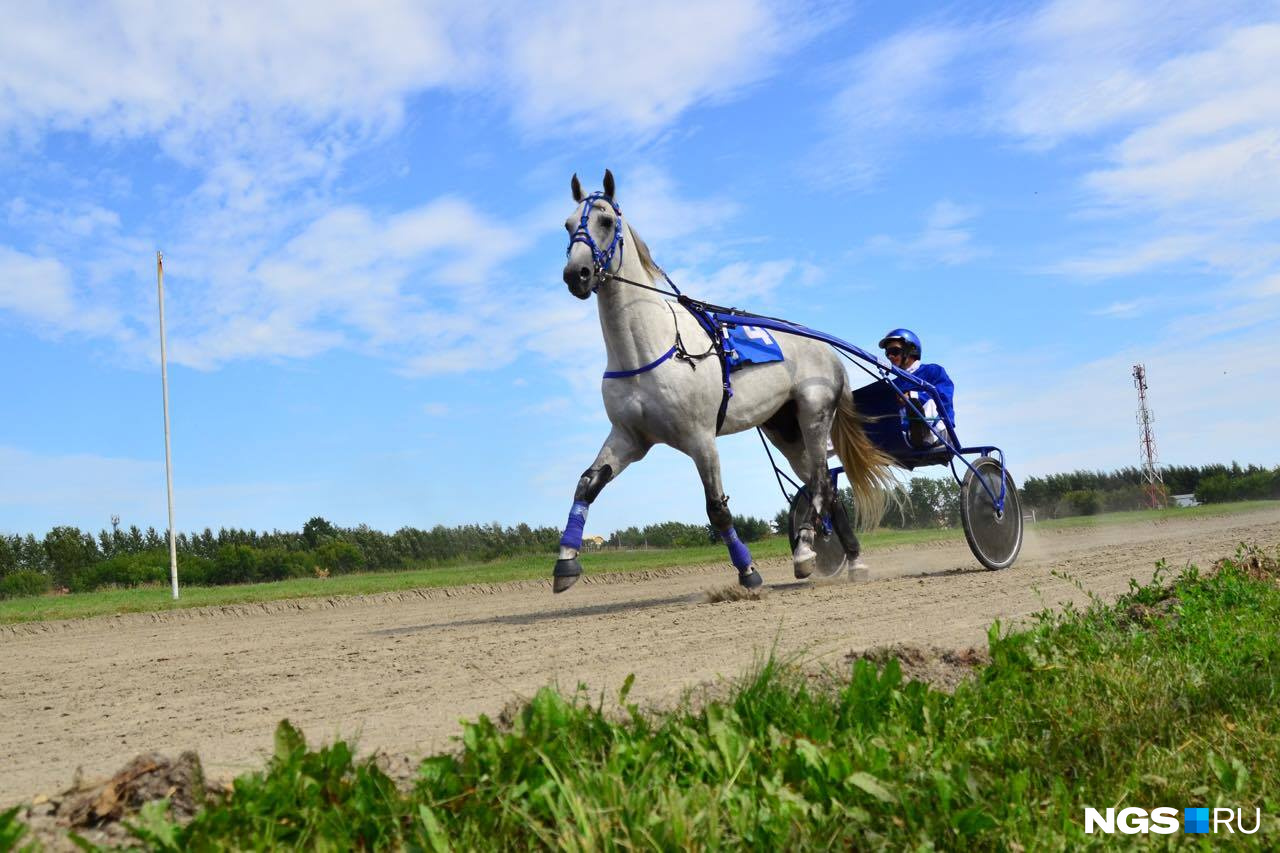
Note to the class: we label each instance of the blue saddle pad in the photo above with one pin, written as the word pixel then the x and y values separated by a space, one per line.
pixel 750 345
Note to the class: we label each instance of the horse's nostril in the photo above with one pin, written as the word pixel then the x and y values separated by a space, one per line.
pixel 583 273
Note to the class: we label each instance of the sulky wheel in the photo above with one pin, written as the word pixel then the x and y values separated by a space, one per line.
pixel 995 538
pixel 830 550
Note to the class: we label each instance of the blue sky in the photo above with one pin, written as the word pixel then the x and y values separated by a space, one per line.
pixel 361 209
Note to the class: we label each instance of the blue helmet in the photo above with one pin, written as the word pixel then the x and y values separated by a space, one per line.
pixel 907 337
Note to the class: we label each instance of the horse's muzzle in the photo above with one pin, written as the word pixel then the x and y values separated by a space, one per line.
pixel 579 281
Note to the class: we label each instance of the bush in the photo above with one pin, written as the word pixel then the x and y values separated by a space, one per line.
pixel 1214 489
pixel 69 552
pixel 126 570
pixel 750 528
pixel 23 583
pixel 1079 502
pixel 146 567
pixel 339 558
pixel 277 564
pixel 234 564
pixel 1256 486
pixel 8 555
pixel 1119 500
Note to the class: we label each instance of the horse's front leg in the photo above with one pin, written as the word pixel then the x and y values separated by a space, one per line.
pixel 707 458
pixel 620 449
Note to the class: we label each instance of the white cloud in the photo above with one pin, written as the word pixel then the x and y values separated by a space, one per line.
pixel 1194 99
pixel 640 66
pixel 664 214
pixel 945 238
pixel 139 71
pixel 239 75
pixel 74 220
pixel 549 406
pixel 264 104
pixel 747 285
pixel 417 280
pixel 1185 109
pixel 894 91
pixel 1214 139
pixel 1121 310
pixel 1130 259
pixel 1182 109
pixel 1195 393
pixel 1269 287
pixel 40 291
pixel 81 486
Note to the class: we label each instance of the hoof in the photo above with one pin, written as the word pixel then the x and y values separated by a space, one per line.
pixel 803 566
pixel 750 579
pixel 859 571
pixel 566 574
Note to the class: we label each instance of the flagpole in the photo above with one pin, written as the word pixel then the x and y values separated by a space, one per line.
pixel 168 457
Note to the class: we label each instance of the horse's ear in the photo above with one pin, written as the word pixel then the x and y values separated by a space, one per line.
pixel 576 186
pixel 608 183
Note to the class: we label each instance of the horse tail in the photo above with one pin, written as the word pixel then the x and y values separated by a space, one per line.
pixel 869 469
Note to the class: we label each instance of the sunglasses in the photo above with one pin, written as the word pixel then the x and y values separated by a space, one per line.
pixel 893 351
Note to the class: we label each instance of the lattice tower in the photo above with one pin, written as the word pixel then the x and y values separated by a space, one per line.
pixel 1152 481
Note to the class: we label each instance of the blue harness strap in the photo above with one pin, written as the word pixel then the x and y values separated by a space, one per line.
pixel 697 309
pixel 713 331
pixel 620 374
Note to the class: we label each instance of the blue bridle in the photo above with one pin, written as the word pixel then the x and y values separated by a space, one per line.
pixel 601 258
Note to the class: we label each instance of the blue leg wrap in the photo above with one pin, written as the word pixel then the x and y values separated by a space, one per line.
pixel 572 537
pixel 738 553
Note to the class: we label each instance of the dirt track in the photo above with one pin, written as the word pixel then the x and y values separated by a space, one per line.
pixel 399 671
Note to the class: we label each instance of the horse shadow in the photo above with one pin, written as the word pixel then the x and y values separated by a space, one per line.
pixel 539 616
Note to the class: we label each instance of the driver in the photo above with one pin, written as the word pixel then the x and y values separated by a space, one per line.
pixel 902 350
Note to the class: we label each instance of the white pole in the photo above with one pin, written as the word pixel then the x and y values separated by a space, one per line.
pixel 168 457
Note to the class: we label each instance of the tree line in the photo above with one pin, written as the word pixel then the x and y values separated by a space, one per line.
pixel 69 558
pixel 78 561
pixel 1090 492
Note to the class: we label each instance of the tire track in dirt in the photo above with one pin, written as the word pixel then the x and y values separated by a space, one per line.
pixel 399 670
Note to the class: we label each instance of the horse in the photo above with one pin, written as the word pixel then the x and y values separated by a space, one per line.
pixel 662 385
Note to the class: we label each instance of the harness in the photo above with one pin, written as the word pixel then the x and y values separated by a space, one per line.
pixel 603 258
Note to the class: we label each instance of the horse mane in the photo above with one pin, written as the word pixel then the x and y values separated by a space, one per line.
pixel 642 252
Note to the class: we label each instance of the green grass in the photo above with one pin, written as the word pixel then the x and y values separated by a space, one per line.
pixel 1165 698
pixel 150 599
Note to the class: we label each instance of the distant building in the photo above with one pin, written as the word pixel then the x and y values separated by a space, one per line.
pixel 1185 500
pixel 593 543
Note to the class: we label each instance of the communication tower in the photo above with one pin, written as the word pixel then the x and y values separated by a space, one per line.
pixel 1152 481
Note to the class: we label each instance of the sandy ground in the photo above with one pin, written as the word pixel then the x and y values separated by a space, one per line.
pixel 399 671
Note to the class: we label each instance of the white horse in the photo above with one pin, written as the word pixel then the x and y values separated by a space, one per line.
pixel 660 388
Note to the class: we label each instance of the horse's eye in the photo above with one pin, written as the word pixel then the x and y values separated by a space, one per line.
pixel 606 221
pixel 568 227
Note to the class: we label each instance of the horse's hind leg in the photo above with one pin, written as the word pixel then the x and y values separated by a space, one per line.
pixel 707 458
pixel 620 449
pixel 783 430
pixel 814 419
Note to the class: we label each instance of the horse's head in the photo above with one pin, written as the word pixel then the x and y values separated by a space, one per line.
pixel 595 238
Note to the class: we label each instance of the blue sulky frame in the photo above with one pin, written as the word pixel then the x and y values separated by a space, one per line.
pixel 879 402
